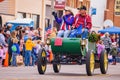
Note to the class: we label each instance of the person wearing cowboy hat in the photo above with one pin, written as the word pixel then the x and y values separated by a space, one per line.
pixel 82 23
pixel 65 22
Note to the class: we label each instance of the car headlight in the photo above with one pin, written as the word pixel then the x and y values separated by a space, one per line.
pixel 48 41
pixel 83 42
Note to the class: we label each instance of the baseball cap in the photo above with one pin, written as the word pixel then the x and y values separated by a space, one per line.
pixel 82 8
pixel 9 24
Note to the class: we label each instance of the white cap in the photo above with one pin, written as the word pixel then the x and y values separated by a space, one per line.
pixel 9 24
pixel 8 32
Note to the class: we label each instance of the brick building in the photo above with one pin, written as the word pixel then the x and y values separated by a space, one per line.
pixel 113 11
pixel 77 3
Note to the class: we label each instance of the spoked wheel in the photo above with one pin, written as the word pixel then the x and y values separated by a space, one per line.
pixel 56 65
pixel 42 61
pixel 90 63
pixel 104 62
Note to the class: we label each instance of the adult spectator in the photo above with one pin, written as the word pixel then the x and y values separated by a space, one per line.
pixel 8 27
pixel 2 37
pixel 10 43
pixel 107 42
pixel 39 31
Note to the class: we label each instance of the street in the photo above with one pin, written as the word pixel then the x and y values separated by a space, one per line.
pixel 68 72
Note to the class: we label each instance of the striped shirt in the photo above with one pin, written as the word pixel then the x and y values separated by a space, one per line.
pixel 107 42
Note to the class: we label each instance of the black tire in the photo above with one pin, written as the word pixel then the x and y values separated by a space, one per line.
pixel 90 63
pixel 103 62
pixel 56 64
pixel 42 61
pixel 56 67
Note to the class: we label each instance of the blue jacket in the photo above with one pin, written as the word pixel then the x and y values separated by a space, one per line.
pixel 67 19
pixel 17 46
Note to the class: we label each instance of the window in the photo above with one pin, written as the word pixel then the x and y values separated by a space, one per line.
pixel 21 15
pixel 36 19
pixel 28 15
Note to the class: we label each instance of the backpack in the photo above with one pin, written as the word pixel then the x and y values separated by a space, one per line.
pixel 14 48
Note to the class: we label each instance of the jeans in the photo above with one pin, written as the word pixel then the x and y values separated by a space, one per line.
pixel 14 59
pixel 33 59
pixel 108 50
pixel 75 32
pixel 27 57
pixel 63 33
pixel 85 34
pixel 114 58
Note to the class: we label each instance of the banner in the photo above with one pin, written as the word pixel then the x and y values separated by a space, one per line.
pixel 1 0
pixel 117 7
pixel 59 4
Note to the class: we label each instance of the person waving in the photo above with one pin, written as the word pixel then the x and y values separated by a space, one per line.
pixel 65 22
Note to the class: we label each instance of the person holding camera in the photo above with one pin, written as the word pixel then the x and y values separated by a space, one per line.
pixel 65 22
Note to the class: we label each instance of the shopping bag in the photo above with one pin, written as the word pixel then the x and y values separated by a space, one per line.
pixel 19 59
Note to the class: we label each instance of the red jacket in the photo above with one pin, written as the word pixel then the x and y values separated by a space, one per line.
pixel 84 21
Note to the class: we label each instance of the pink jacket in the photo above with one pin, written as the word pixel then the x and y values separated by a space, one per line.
pixel 100 48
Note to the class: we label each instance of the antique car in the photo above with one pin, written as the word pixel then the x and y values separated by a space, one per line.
pixel 73 50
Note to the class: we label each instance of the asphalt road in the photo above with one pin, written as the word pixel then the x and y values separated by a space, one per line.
pixel 68 72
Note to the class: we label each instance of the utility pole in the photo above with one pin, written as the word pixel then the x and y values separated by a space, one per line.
pixel 43 19
pixel 52 18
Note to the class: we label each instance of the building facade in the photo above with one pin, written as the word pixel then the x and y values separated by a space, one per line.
pixel 13 9
pixel 7 10
pixel 38 10
pixel 74 4
pixel 113 12
pixel 97 8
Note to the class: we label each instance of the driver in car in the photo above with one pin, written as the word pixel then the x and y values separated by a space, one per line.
pixel 82 24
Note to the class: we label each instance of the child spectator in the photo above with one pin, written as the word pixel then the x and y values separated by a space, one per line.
pixel 29 46
pixel 1 54
pixel 113 52
pixel 100 47
pixel 15 51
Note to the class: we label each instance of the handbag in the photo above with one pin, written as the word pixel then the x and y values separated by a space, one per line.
pixel 19 59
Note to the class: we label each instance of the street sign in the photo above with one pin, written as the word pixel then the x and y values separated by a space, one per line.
pixel 93 12
pixel 59 4
pixel 1 0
